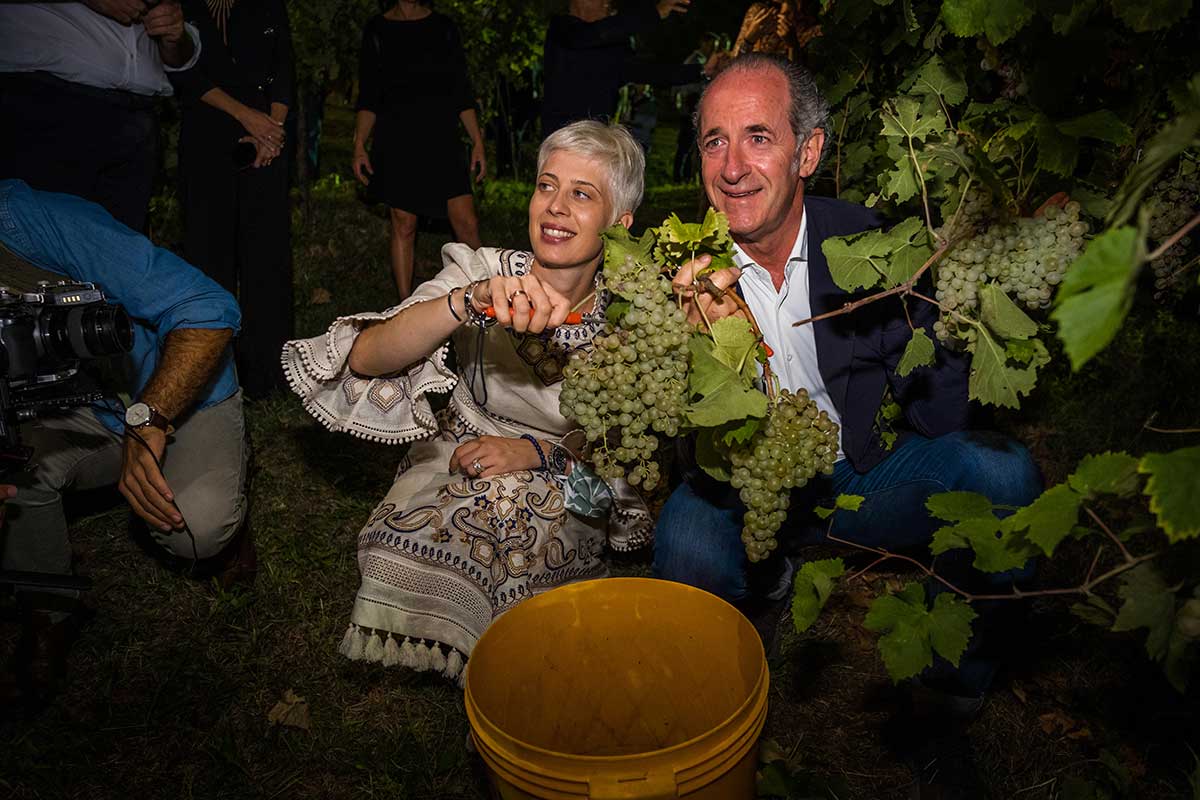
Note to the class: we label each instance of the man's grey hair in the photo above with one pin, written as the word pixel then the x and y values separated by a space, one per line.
pixel 807 109
pixel 615 148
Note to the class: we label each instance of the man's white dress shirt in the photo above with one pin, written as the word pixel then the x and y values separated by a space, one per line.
pixel 795 349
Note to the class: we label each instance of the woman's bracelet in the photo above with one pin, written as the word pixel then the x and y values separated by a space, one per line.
pixel 476 317
pixel 538 447
pixel 450 305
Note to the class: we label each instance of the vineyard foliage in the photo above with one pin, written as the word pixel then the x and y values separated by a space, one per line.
pixel 1034 155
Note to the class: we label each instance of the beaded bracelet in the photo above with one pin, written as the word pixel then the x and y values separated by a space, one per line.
pixel 536 446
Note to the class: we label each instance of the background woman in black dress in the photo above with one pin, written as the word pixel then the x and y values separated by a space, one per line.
pixel 235 202
pixel 413 91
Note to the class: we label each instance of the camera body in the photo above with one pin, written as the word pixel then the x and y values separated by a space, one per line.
pixel 45 334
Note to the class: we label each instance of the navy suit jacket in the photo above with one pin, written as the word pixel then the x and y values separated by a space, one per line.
pixel 857 354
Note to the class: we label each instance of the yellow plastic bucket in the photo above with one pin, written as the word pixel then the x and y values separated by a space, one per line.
pixel 619 688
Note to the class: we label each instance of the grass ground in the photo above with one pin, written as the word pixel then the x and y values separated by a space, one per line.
pixel 172 684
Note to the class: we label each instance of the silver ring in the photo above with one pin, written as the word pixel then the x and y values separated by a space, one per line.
pixel 475 465
pixel 517 292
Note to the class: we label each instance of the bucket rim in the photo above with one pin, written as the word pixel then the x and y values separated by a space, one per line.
pixel 758 693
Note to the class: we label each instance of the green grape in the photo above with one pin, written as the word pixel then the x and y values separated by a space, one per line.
pixel 795 442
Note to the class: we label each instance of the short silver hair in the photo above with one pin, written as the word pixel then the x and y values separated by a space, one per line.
pixel 614 148
pixel 807 109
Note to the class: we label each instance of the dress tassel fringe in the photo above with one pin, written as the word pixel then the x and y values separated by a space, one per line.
pixel 366 644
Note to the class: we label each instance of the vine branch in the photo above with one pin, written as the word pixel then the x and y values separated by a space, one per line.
pixel 1016 594
pixel 1174 238
pixel 719 293
pixel 903 288
pixel 1116 539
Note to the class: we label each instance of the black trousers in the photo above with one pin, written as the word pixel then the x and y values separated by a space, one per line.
pixel 98 144
pixel 237 230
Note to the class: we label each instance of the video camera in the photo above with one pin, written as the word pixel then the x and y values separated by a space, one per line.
pixel 45 334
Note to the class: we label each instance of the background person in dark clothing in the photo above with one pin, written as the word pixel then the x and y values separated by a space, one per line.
pixel 588 58
pixel 77 90
pixel 413 92
pixel 236 214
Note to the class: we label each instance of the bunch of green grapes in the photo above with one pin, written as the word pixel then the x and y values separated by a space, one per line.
pixel 1176 200
pixel 1025 257
pixel 968 219
pixel 632 383
pixel 796 442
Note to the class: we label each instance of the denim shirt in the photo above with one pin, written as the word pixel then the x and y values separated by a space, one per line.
pixel 160 291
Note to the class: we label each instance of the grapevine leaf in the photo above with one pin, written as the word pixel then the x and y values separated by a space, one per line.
pixel 935 77
pixel 900 183
pixel 813 585
pixel 843 502
pixel 1057 152
pixel 741 433
pixel 950 626
pixel 1174 491
pixel 849 502
pixel 1161 150
pixel 730 401
pixel 903 619
pixel 1050 518
pixel 959 506
pixel 999 20
pixel 1103 125
pixel 910 250
pixel 1184 95
pixel 619 243
pixel 852 259
pixel 1027 351
pixel 709 457
pixel 1096 611
pixel 724 396
pixel 902 118
pixel 1106 473
pixel 1080 11
pixel 1002 315
pixel 616 310
pixel 1150 15
pixel 997 548
pixel 1149 603
pixel 917 353
pixel 734 345
pixel 1096 293
pixel 992 381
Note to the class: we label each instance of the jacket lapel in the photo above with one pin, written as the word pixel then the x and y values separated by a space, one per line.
pixel 834 336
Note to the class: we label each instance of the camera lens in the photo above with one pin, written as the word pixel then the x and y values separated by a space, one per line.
pixel 94 330
pixel 99 330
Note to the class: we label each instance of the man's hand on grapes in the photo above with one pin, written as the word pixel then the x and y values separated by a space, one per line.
pixel 697 298
pixel 494 455
pixel 522 302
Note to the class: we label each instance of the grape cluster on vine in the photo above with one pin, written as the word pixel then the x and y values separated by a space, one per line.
pixel 632 383
pixel 795 443
pixel 1176 200
pixel 1025 257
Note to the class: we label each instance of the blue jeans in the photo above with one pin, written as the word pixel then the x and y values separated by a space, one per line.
pixel 699 543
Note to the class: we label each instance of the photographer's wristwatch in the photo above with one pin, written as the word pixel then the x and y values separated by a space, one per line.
pixel 141 415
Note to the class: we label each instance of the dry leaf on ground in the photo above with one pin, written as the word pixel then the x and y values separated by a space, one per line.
pixel 291 712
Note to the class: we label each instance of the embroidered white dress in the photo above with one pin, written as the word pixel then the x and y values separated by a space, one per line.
pixel 443 555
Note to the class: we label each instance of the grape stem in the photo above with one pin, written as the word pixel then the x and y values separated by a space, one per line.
pixel 1174 238
pixel 901 289
pixel 719 293
pixel 1016 594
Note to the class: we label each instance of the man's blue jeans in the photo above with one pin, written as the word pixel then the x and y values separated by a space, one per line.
pixel 699 543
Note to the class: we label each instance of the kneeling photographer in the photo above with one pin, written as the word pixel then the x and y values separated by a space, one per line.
pixel 178 451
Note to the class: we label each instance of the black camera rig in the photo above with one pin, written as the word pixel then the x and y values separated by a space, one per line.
pixel 46 333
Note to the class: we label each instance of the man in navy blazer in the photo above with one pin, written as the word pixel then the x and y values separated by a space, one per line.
pixel 761 135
